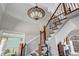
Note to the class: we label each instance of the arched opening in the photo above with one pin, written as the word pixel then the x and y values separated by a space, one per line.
pixel 74 41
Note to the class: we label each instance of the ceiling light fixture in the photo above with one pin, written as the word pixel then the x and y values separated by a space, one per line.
pixel 36 12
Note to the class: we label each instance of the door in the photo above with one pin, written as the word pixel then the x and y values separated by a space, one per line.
pixel 61 49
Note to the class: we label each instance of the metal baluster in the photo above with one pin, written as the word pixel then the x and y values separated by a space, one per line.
pixel 50 24
pixel 59 21
pixel 62 14
pixel 62 11
pixel 69 7
pixel 78 5
pixel 64 8
pixel 57 18
pixel 56 13
pixel 55 24
pixel 74 5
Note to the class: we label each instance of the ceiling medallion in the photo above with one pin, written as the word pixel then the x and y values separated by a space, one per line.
pixel 36 13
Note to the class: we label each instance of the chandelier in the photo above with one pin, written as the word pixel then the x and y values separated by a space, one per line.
pixel 36 13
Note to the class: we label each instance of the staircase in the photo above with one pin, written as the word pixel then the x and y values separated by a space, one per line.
pixel 60 17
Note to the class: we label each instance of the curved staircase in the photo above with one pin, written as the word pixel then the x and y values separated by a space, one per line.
pixel 62 14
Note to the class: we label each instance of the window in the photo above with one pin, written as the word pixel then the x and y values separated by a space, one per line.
pixel 75 42
pixel 76 45
pixel 3 41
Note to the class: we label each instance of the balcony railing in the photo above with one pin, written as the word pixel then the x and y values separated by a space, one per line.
pixel 59 15
pixel 70 7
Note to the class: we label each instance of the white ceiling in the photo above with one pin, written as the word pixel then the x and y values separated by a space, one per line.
pixel 15 18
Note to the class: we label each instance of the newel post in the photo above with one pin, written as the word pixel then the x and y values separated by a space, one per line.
pixel 44 34
pixel 40 37
pixel 40 47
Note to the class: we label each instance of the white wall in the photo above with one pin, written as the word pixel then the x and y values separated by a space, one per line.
pixel 1 11
pixel 52 46
pixel 67 28
pixel 75 20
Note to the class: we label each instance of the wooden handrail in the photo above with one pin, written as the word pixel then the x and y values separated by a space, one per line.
pixel 61 11
pixel 66 12
pixel 53 14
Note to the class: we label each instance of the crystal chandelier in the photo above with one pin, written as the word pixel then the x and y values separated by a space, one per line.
pixel 36 13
